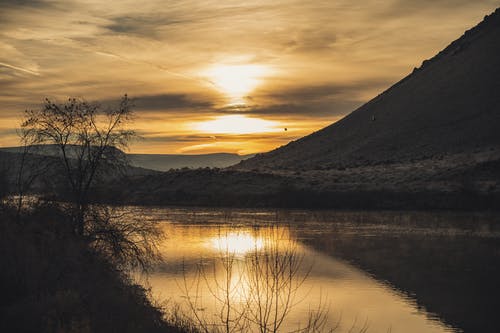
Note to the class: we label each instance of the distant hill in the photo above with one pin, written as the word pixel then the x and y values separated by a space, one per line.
pixel 430 141
pixel 165 162
pixel 158 162
pixel 44 166
pixel 451 104
pixel 49 150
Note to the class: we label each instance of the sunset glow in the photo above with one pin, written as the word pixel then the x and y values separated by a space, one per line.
pixel 250 166
pixel 236 124
pixel 237 243
pixel 240 70
pixel 236 81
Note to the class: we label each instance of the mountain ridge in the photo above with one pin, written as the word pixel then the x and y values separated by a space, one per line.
pixel 156 162
pixel 448 105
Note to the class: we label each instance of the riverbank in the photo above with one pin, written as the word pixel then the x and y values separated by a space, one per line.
pixel 458 182
pixel 462 181
pixel 52 281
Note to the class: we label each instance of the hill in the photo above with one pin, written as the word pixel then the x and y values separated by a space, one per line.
pixel 430 141
pixel 158 162
pixel 450 105
pixel 165 162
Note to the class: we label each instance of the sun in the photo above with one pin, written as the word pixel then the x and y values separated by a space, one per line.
pixel 236 81
pixel 237 124
pixel 238 243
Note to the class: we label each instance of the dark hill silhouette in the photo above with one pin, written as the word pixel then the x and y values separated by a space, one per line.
pixel 165 162
pixel 451 104
pixel 54 150
pixel 158 162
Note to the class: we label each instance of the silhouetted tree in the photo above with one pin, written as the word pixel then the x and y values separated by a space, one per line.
pixel 30 168
pixel 4 183
pixel 87 138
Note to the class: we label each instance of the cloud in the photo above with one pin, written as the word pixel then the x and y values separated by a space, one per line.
pixel 325 100
pixel 327 57
pixel 308 93
pixel 6 4
pixel 19 68
pixel 144 25
pixel 170 101
pixel 407 6
pixel 8 82
pixel 310 110
pixel 163 137
pixel 16 62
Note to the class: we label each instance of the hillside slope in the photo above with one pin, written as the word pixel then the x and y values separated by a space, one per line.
pixel 451 104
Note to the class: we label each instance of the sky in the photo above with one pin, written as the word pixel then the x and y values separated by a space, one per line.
pixel 219 76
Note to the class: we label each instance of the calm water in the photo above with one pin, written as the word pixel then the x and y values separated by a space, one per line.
pixel 380 271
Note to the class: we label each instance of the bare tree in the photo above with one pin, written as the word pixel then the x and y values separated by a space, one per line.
pixel 30 168
pixel 4 181
pixel 122 238
pixel 86 138
pixel 254 292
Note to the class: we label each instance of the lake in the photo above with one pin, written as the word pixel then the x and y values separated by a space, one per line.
pixel 349 271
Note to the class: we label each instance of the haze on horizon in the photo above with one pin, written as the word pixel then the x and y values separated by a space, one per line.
pixel 218 76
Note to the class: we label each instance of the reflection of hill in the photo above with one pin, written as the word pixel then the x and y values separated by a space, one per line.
pixel 451 273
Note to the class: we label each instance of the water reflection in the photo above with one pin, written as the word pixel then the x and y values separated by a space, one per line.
pixel 215 261
pixel 238 243
pixel 252 283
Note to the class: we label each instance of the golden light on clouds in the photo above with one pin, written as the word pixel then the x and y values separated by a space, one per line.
pixel 248 144
pixel 219 76
pixel 236 81
pixel 237 124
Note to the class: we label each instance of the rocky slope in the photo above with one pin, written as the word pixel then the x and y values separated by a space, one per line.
pixel 451 104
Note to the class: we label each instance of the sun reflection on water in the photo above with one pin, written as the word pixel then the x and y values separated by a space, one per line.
pixel 214 267
pixel 237 243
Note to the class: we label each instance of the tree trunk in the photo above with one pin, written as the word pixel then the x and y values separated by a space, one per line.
pixel 80 218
